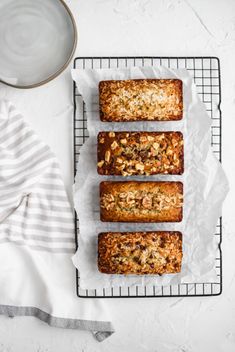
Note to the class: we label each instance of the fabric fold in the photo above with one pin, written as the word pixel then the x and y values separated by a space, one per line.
pixel 37 237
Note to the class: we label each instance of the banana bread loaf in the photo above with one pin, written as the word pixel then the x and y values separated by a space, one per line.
pixel 137 201
pixel 140 253
pixel 141 100
pixel 140 153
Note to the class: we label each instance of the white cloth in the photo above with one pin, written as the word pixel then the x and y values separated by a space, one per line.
pixel 37 276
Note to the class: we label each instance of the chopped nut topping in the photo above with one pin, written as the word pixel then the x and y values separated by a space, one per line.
pixel 100 163
pixel 123 141
pixel 114 145
pixel 142 153
pixel 124 173
pixel 101 140
pixel 142 200
pixel 147 202
pixel 111 134
pixel 107 156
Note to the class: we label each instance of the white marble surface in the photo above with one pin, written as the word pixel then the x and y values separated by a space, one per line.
pixel 141 27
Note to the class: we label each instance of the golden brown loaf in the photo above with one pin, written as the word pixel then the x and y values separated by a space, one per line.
pixel 137 201
pixel 141 100
pixel 140 153
pixel 140 253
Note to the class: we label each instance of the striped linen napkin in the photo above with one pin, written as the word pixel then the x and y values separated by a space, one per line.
pixel 37 276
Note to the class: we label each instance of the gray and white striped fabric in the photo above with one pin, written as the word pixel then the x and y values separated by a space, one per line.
pixel 34 208
pixel 37 277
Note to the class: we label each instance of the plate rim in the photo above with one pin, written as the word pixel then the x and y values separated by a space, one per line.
pixel 63 67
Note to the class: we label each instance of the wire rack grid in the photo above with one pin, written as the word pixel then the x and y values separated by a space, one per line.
pixel 206 74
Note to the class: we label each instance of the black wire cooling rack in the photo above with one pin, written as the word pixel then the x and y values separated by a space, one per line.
pixel 206 74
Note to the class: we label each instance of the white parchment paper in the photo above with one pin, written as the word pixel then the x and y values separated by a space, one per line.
pixel 205 184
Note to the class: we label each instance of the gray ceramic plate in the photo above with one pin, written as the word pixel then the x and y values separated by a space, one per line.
pixel 37 41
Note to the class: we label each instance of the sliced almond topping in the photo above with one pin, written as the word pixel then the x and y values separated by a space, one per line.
pixel 109 197
pixel 143 139
pixel 122 195
pixel 150 138
pixel 139 166
pixel 101 140
pixel 169 151
pixel 124 173
pixel 156 146
pixel 119 160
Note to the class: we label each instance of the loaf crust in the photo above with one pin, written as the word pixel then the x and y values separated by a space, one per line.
pixel 140 253
pixel 137 201
pixel 140 153
pixel 141 100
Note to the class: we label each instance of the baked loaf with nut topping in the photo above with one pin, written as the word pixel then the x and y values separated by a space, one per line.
pixel 140 253
pixel 141 100
pixel 137 201
pixel 140 153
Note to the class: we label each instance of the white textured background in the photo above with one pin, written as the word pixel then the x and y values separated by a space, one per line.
pixel 141 27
